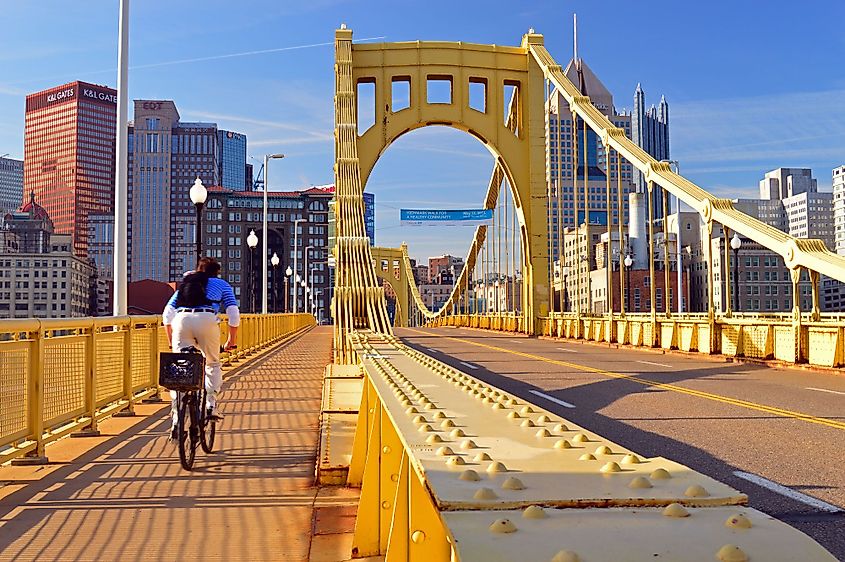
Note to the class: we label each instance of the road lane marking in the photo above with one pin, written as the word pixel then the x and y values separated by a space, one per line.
pixel 788 492
pixel 665 386
pixel 825 390
pixel 568 350
pixel 551 398
pixel 470 365
pixel 655 364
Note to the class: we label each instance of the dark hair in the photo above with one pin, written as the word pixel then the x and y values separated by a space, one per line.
pixel 209 266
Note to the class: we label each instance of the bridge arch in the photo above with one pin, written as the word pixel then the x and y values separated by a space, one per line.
pixel 506 77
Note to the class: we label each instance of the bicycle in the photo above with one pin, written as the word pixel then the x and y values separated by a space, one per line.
pixel 184 372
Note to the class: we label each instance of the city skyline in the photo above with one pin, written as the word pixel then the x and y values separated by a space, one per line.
pixel 731 121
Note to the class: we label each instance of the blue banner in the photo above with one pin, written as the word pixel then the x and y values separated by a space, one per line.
pixel 441 217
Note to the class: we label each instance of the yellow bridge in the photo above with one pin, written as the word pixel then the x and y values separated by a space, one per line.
pixel 519 421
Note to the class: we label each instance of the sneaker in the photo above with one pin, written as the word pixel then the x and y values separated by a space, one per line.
pixel 174 433
pixel 213 415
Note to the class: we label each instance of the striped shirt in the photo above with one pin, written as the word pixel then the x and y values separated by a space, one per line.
pixel 218 291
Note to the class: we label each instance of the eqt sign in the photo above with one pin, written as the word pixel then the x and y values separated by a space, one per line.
pixel 151 105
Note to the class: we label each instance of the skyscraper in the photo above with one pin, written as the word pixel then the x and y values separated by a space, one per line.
pixel 650 130
pixel 11 184
pixel 166 155
pixel 231 158
pixel 69 144
pixel 839 209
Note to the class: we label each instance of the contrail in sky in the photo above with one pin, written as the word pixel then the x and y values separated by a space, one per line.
pixel 198 59
pixel 246 53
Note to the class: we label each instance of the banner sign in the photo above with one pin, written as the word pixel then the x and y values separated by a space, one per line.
pixel 444 217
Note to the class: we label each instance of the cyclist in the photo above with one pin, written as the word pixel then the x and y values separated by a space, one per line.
pixel 190 319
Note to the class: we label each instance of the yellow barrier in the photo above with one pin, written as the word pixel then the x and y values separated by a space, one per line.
pixel 453 469
pixel 819 343
pixel 61 376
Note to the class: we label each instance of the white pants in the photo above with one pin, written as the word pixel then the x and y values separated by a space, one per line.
pixel 200 330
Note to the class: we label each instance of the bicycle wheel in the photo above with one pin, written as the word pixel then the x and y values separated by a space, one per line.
pixel 184 427
pixel 208 428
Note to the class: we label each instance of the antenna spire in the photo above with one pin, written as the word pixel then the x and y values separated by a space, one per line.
pixel 575 38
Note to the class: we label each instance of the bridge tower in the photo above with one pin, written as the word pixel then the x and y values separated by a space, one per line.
pixel 513 130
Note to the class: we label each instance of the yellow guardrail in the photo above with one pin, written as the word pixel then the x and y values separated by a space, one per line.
pixel 819 343
pixel 60 376
pixel 453 469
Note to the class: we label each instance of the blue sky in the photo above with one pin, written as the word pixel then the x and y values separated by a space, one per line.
pixel 751 85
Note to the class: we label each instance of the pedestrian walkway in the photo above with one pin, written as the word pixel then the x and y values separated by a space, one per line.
pixel 126 497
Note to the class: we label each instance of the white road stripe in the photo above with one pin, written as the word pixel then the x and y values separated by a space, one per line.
pixel 551 398
pixel 788 492
pixel 470 365
pixel 825 390
pixel 568 350
pixel 655 364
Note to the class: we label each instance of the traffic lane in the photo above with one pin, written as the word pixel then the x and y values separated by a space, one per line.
pixel 804 392
pixel 714 438
pixel 776 447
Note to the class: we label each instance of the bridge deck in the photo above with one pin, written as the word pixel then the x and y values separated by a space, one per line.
pixel 127 497
pixel 747 425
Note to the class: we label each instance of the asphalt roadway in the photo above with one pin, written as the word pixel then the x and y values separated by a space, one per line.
pixel 776 434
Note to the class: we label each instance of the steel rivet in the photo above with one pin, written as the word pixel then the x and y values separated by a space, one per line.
pixel 444 451
pixel 485 494
pixel 544 419
pixel 497 467
pixel 603 450
pixel 418 537
pixel 562 444
pixel 468 444
pixel 731 553
pixel 457 433
pixel 611 467
pixel 581 438
pixel 696 491
pixel 640 482
pixel 385 450
pixel 630 459
pixel 534 512
pixel 482 457
pixel 660 474
pixel 566 556
pixel 675 510
pixel 513 483
pixel 560 427
pixel 470 476
pixel 451 461
pixel 738 521
pixel 543 433
pixel 431 439
pixel 502 526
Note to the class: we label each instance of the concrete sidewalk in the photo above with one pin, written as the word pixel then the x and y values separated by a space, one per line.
pixel 123 496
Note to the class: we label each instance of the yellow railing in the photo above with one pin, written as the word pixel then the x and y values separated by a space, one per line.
pixel 784 338
pixel 61 376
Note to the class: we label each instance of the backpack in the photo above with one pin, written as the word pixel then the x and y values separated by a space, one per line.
pixel 192 291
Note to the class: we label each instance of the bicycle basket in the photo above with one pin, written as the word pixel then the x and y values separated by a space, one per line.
pixel 181 371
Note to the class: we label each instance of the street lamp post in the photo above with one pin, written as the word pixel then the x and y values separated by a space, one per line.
pixel 121 168
pixel 295 261
pixel 305 306
pixel 288 273
pixel 735 245
pixel 198 195
pixel 304 293
pixel 564 288
pixel 629 261
pixel 264 250
pixel 252 242
pixel 275 261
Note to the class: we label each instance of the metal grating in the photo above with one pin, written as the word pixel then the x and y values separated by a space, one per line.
pixel 64 376
pixel 14 362
pixel 140 360
pixel 109 373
